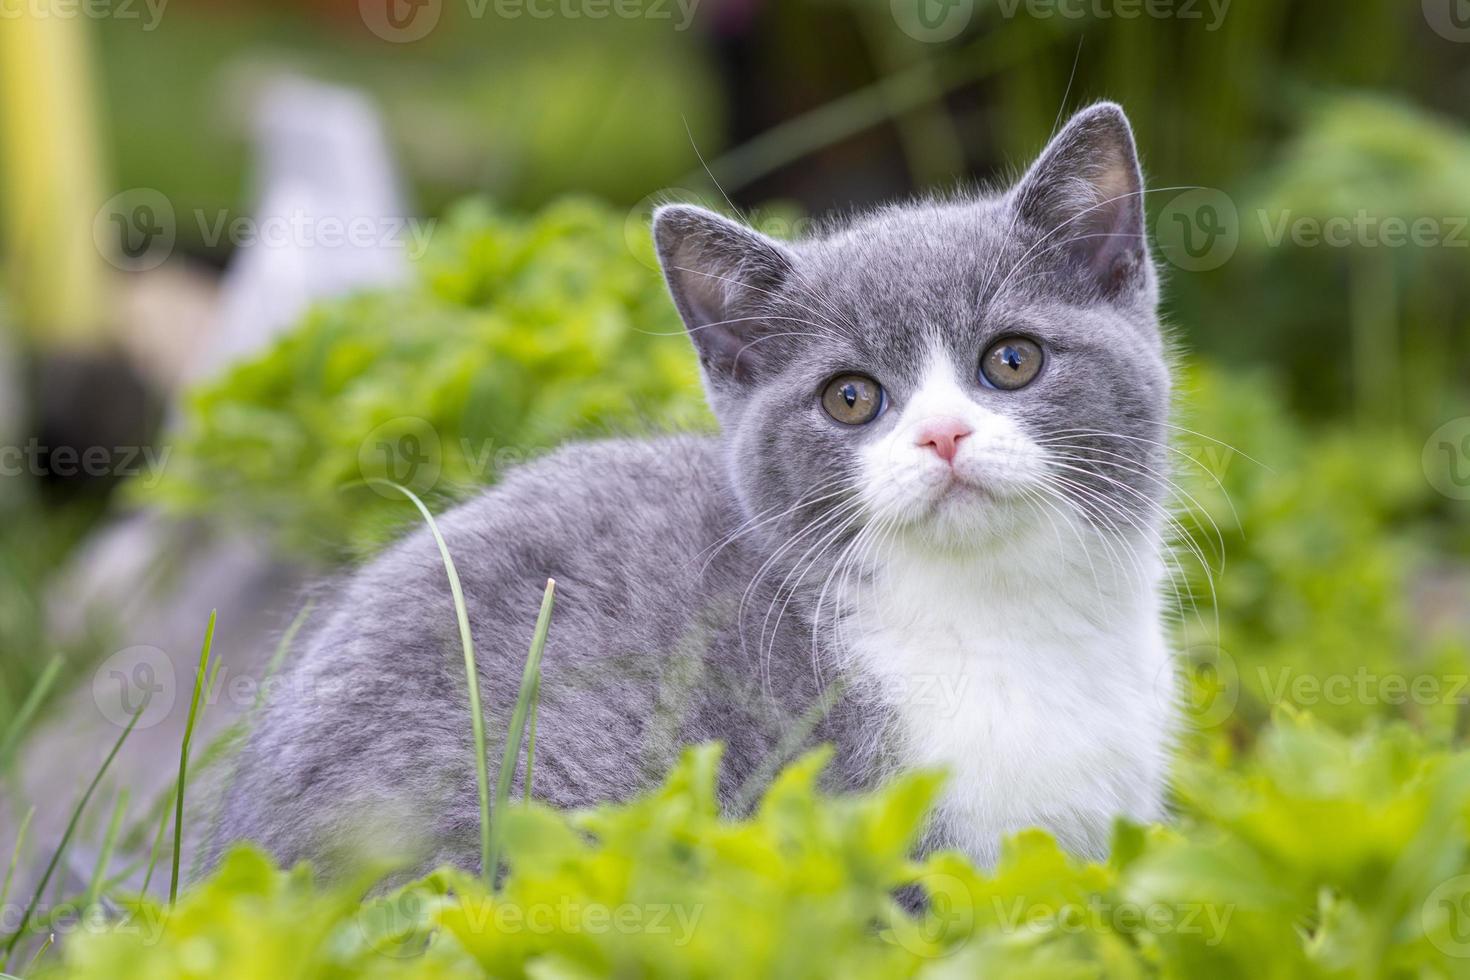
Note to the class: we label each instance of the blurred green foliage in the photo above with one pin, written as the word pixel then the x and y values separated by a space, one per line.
pixel 519 108
pixel 518 335
pixel 1298 583
pixel 1322 856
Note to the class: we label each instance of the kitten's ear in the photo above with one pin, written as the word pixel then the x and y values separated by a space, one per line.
pixel 719 272
pixel 1085 194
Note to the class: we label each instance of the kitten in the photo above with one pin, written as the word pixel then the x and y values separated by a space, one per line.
pixel 929 535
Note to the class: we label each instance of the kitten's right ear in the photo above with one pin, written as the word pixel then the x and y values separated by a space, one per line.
pixel 719 273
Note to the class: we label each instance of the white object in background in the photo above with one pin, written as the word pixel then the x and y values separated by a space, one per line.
pixel 329 217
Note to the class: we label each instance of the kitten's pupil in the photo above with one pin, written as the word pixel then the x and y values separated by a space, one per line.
pixel 1012 357
pixel 850 394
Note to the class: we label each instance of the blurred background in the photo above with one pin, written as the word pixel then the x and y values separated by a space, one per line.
pixel 255 253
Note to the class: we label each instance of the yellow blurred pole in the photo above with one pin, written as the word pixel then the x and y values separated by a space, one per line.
pixel 54 274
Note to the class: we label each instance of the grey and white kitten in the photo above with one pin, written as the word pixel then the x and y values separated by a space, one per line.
pixel 929 535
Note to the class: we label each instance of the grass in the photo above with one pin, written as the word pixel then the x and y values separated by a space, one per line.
pixel 525 705
pixel 71 827
pixel 22 720
pixel 472 675
pixel 199 680
pixel 491 819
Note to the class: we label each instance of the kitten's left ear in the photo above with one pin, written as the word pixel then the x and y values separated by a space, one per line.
pixel 1085 195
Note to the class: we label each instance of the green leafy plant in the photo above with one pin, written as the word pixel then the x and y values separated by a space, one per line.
pixel 1324 855
pixel 518 335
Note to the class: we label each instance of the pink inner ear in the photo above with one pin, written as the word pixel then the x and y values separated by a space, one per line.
pixel 1111 227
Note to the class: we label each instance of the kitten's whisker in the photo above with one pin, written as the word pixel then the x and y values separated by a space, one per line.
pixel 816 524
pixel 801 566
pixel 1102 499
pixel 1161 445
pixel 758 521
pixel 1130 466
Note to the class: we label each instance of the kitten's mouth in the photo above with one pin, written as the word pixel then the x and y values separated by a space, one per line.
pixel 953 490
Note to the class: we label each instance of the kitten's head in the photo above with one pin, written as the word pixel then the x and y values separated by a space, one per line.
pixel 954 371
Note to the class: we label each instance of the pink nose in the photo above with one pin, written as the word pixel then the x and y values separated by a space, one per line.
pixel 943 436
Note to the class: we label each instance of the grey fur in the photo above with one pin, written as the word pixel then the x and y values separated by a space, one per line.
pixel 668 552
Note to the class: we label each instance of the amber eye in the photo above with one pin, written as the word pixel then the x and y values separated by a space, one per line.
pixel 853 399
pixel 1011 363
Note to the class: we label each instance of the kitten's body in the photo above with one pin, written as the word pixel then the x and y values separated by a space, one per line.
pixel 992 608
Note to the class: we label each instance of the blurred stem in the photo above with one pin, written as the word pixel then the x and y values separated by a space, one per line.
pixel 1376 373
pixel 931 147
pixel 52 175
pixel 852 113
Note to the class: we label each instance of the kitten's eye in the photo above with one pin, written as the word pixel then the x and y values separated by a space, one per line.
pixel 1011 363
pixel 853 399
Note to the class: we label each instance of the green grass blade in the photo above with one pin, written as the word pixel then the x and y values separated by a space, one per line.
pixel 109 841
pixel 472 675
pixel 20 839
pixel 31 966
pixel 28 709
pixel 155 851
pixel 71 827
pixel 531 736
pixel 530 682
pixel 199 678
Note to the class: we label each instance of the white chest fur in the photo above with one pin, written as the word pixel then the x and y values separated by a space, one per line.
pixel 1046 697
